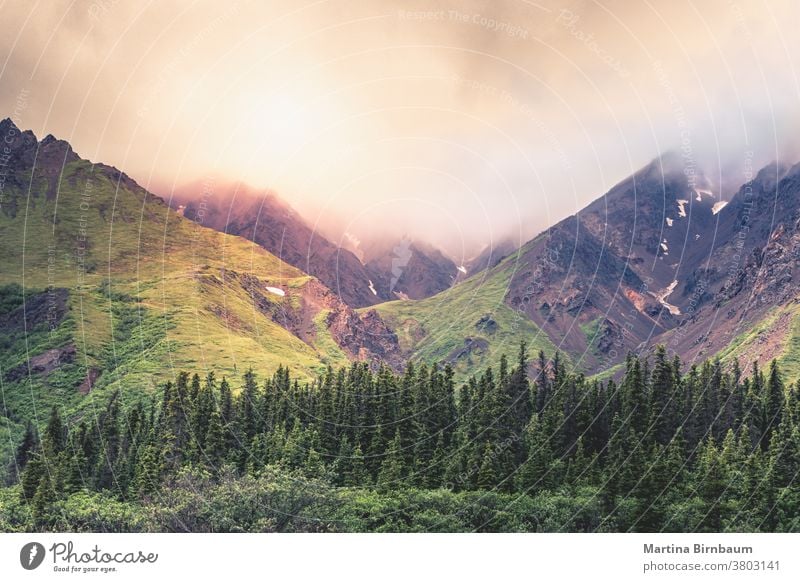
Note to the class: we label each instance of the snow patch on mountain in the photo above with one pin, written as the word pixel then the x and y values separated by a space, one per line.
pixel 661 297
pixel 700 193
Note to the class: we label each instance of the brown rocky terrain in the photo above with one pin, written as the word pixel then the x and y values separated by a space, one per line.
pixel 659 260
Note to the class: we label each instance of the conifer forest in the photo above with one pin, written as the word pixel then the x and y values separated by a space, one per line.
pixel 525 447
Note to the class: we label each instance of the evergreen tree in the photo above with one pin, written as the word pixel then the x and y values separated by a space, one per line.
pixel 773 403
pixel 215 441
pixel 23 454
pixel 149 468
pixel 392 471
pixel 646 448
pixel 662 406
pixel 55 436
pixel 487 474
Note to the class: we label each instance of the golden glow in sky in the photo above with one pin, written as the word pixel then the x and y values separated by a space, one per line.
pixel 460 121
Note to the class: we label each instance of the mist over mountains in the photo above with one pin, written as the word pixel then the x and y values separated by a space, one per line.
pixel 659 258
pixel 387 269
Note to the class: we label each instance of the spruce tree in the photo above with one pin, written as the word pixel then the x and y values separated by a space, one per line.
pixel 773 403
pixel 54 439
pixel 487 474
pixel 215 441
pixel 662 406
pixel 23 454
pixel 392 471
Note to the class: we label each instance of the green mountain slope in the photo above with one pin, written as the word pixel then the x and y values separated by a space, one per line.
pixel 102 286
pixel 469 325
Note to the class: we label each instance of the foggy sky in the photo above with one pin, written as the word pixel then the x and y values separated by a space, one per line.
pixel 459 121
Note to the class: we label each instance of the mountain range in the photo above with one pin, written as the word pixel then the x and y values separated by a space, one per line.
pixel 392 270
pixel 658 259
pixel 104 285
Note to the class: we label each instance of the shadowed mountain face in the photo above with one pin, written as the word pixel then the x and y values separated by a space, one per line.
pixel 743 298
pixel 660 260
pixel 271 223
pixel 31 166
pixel 410 270
pixel 605 281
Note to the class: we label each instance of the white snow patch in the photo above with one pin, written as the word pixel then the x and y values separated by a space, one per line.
pixel 277 291
pixel 463 269
pixel 669 221
pixel 681 209
pixel 719 206
pixel 700 193
pixel 372 288
pixel 661 297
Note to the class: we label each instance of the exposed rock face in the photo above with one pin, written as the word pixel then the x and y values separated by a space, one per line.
pixel 661 262
pixel 43 364
pixel 40 311
pixel 365 337
pixel 568 278
pixel 486 324
pixel 472 347
pixel 43 311
pixel 610 334
pixel 22 146
pixel 752 268
pixel 92 375
pixel 32 165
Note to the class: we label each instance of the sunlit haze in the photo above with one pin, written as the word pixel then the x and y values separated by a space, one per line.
pixel 458 122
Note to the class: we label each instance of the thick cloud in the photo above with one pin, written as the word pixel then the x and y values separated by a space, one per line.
pixel 456 121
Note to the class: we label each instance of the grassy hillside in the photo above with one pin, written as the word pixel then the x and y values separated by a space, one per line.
pixel 102 286
pixel 775 336
pixel 468 325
